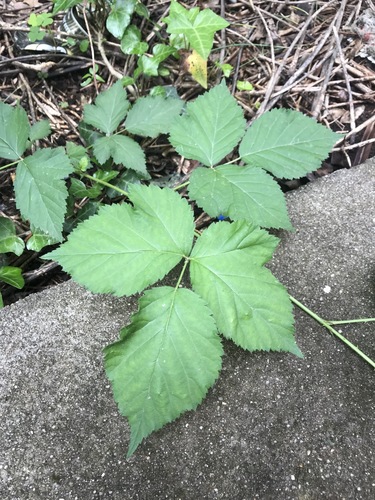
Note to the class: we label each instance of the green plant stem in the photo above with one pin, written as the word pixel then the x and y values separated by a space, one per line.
pixel 348 321
pixel 327 324
pixel 180 186
pixel 10 164
pixel 182 273
pixel 104 183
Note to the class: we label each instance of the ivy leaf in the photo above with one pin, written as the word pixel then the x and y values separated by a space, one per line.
pixel 168 358
pixel 147 66
pixel 131 41
pixel 161 52
pixel 119 17
pixel 198 27
pixel 12 276
pixel 39 240
pixel 124 249
pixel 151 116
pixel 9 241
pixel 14 131
pixel 249 305
pixel 109 109
pixel 240 193
pixel 198 68
pixel 211 127
pixel 123 150
pixel 142 10
pixel 286 143
pixel 40 190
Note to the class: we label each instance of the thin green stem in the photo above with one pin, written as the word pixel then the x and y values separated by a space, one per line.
pixel 327 324
pixel 104 183
pixel 348 321
pixel 236 160
pixel 10 164
pixel 182 273
pixel 180 186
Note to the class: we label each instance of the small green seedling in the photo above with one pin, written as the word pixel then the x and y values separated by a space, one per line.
pixel 36 22
pixel 91 75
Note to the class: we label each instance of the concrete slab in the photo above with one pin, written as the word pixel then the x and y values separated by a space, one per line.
pixel 273 426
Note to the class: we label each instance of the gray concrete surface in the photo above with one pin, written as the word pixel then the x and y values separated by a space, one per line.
pixel 273 426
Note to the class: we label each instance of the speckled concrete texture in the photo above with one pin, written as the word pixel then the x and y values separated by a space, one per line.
pixel 273 426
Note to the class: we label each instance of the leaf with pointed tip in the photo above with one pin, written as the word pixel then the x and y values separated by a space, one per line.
pixel 39 130
pixel 248 304
pixel 60 5
pixel 12 276
pixel 199 27
pixel 211 127
pixel 197 68
pixel 39 240
pixel 131 41
pixel 286 143
pixel 9 241
pixel 151 116
pixel 247 193
pixel 41 191
pixel 167 359
pixel 109 110
pixel 14 131
pixel 119 17
pixel 124 249
pixel 123 150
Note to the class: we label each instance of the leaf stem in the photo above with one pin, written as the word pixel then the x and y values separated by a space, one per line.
pixel 10 164
pixel 104 183
pixel 327 324
pixel 180 186
pixel 182 273
pixel 348 321
pixel 235 160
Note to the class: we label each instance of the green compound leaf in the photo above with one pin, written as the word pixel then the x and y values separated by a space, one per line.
pixel 14 131
pixel 123 150
pixel 9 241
pixel 286 143
pixel 40 190
pixel 109 109
pixel 124 249
pixel 168 358
pixel 12 276
pixel 119 17
pixel 151 116
pixel 39 130
pixel 249 305
pixel 247 193
pixel 198 27
pixel 210 129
